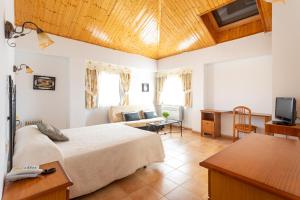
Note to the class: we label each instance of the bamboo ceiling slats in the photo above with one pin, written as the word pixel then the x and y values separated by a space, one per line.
pixel 153 28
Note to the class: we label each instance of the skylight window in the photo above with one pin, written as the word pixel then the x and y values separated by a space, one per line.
pixel 236 11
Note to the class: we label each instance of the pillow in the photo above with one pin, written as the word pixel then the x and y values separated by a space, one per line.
pixel 150 115
pixel 131 116
pixel 34 148
pixel 52 132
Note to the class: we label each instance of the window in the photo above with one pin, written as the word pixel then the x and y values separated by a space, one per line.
pixel 236 11
pixel 172 93
pixel 109 87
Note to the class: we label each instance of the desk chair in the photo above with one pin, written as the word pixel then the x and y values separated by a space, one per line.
pixel 242 122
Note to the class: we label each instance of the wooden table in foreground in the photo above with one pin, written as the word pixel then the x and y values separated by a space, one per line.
pixel 45 187
pixel 258 167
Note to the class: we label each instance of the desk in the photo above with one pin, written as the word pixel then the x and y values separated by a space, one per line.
pixel 248 169
pixel 211 120
pixel 272 129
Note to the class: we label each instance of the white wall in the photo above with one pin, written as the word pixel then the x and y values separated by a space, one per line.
pixel 50 106
pixel 245 82
pixel 7 59
pixel 77 53
pixel 252 46
pixel 286 48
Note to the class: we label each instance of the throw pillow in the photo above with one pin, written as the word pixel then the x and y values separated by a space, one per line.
pixel 131 116
pixel 52 132
pixel 150 115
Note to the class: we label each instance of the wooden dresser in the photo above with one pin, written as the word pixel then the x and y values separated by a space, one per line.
pixel 46 187
pixel 258 167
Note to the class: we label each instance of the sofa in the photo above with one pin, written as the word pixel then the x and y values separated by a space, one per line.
pixel 115 115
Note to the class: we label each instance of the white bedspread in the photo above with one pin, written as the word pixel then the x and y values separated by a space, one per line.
pixel 97 155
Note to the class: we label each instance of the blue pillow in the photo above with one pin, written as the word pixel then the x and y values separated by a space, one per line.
pixel 131 116
pixel 149 115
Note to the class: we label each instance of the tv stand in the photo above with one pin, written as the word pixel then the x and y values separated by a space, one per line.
pixel 277 122
pixel 290 130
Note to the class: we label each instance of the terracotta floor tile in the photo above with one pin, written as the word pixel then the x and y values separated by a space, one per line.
pixel 175 163
pixel 163 186
pixel 149 175
pixel 111 192
pixel 162 167
pixel 199 189
pixel 182 194
pixel 178 177
pixel 131 183
pixel 145 193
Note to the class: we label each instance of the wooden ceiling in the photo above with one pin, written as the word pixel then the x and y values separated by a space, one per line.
pixel 152 28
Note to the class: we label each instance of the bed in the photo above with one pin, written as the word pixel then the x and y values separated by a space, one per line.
pixel 94 156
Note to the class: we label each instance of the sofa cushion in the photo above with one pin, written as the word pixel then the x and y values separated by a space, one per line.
pixel 150 115
pixel 142 122
pixel 134 116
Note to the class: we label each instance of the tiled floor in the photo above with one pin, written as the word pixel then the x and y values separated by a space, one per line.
pixel 178 178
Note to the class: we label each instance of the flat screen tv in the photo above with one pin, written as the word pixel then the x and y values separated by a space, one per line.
pixel 285 110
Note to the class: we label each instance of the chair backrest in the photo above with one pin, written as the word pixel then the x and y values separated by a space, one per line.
pixel 242 117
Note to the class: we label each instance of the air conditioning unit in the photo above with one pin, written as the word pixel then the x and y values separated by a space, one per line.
pixel 176 112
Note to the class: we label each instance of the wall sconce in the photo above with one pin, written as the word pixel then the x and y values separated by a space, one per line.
pixel 28 69
pixel 12 33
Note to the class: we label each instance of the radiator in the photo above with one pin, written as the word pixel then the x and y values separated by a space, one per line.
pixel 32 122
pixel 176 112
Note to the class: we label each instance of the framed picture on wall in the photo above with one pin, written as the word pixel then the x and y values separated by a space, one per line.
pixel 145 87
pixel 43 82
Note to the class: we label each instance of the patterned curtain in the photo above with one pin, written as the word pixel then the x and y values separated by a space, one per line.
pixel 187 88
pixel 125 79
pixel 160 80
pixel 91 88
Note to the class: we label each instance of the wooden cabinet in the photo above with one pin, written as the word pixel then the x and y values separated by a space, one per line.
pixel 45 187
pixel 211 123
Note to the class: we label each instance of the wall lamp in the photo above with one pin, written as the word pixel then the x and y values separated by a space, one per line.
pixel 28 69
pixel 12 33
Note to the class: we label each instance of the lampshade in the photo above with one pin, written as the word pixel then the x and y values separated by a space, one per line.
pixel 44 40
pixel 28 70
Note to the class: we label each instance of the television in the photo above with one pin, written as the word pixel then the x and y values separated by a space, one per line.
pixel 285 110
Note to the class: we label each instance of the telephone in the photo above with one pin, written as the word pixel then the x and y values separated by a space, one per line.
pixel 30 171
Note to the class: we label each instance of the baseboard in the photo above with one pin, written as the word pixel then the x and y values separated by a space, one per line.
pixel 198 132
pixel 186 128
pixel 227 136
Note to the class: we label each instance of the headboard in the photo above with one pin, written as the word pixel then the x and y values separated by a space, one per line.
pixel 12 121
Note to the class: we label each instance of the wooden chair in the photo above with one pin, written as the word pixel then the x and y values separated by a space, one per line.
pixel 242 122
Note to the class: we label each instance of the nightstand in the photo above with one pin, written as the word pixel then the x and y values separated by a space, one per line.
pixel 53 186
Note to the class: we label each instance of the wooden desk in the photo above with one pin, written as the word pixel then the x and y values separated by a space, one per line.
pixel 45 187
pixel 272 129
pixel 257 167
pixel 211 120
